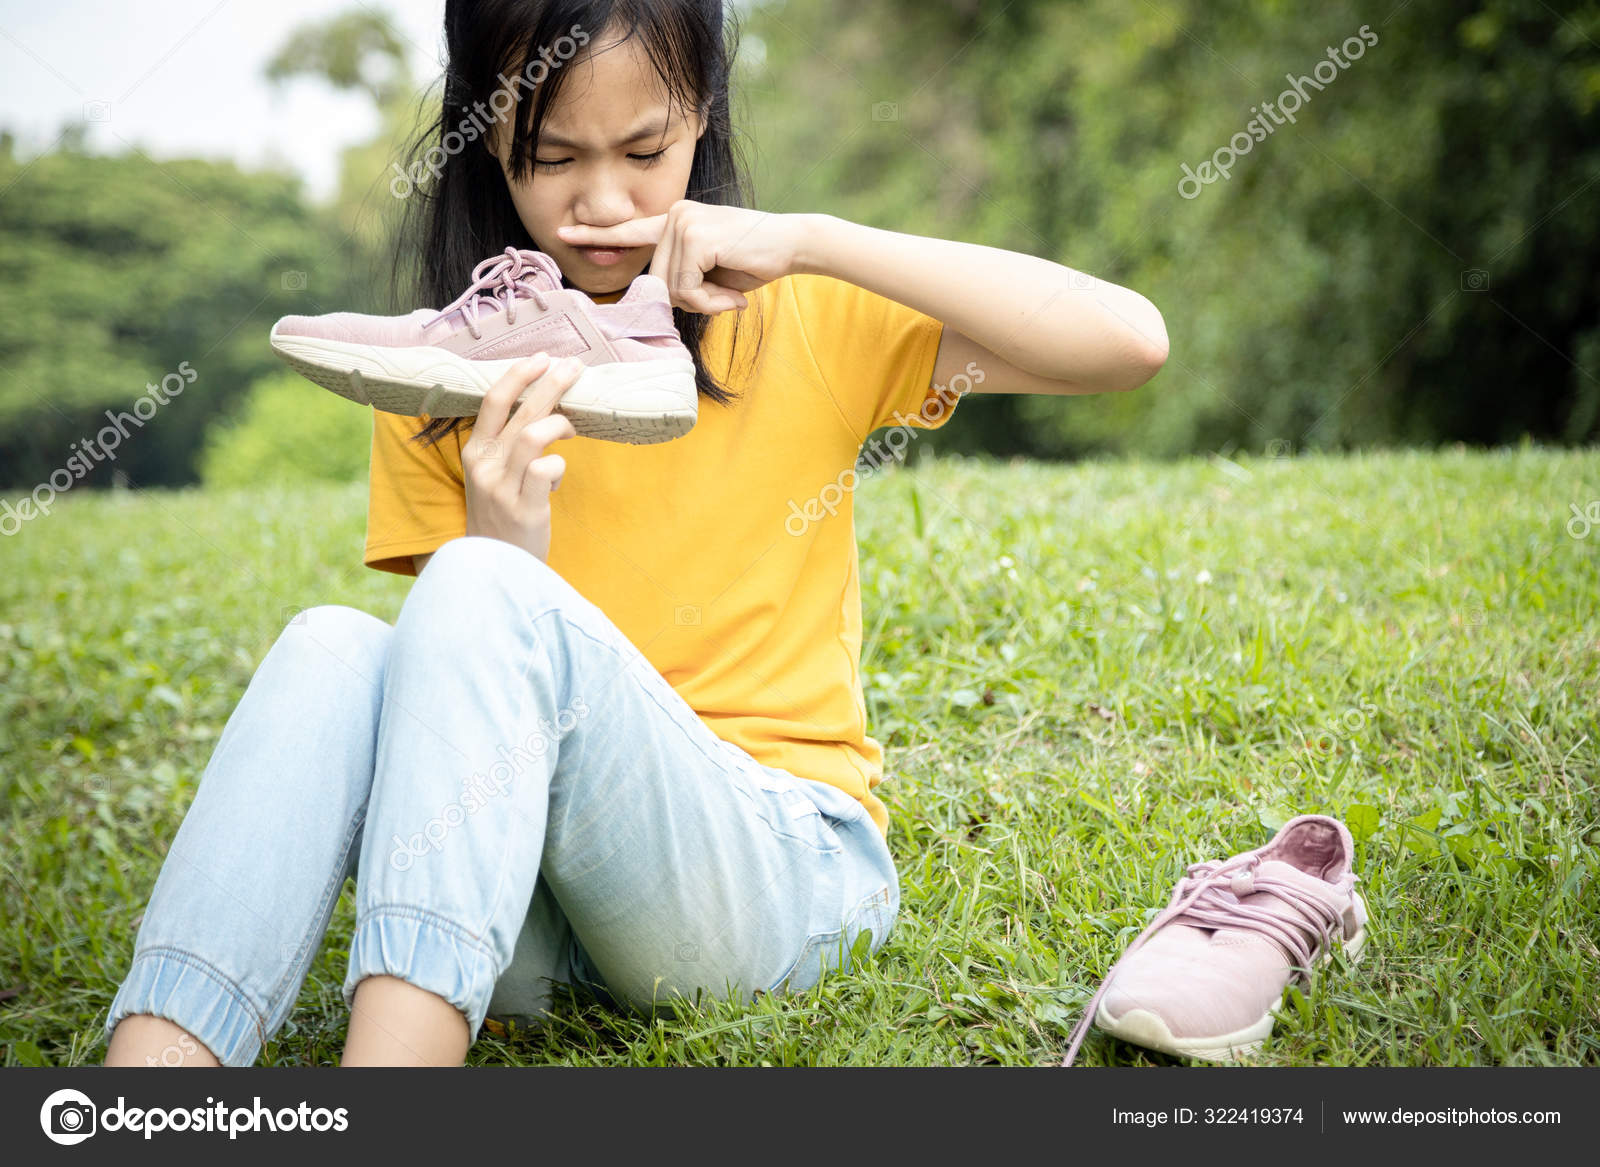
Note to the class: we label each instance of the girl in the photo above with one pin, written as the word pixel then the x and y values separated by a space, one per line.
pixel 616 736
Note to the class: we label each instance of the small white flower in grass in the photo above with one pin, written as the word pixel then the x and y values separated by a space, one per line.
pixel 1203 578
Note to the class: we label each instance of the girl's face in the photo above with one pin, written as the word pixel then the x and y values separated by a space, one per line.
pixel 608 152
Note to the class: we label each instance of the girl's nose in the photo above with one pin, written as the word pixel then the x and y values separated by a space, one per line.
pixel 604 205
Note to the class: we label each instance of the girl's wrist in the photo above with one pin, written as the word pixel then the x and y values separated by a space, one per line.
pixel 813 234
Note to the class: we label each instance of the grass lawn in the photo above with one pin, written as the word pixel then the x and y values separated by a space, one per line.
pixel 1085 678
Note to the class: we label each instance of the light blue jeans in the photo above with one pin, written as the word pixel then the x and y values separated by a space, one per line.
pixel 520 797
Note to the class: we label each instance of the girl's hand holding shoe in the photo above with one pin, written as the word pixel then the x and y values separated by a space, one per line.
pixel 508 475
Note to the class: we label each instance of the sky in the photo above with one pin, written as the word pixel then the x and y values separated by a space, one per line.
pixel 184 78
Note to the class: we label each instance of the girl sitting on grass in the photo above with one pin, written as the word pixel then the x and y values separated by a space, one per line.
pixel 616 737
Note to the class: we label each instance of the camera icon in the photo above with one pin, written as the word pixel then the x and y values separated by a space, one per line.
pixel 687 953
pixel 72 1118
pixel 886 111
pixel 684 282
pixel 67 1117
pixel 97 111
pixel 490 448
pixel 686 614
pixel 294 281
pixel 1474 279
pixel 1279 448
pixel 291 614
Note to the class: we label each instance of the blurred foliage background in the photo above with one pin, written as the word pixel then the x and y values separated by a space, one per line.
pixel 1412 261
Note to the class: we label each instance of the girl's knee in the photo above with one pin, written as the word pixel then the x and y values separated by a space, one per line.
pixel 478 564
pixel 327 664
pixel 473 553
pixel 350 635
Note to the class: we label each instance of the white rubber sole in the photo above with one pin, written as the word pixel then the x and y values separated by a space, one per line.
pixel 639 402
pixel 1143 1028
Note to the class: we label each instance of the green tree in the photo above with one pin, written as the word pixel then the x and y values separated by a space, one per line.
pixel 1410 260
pixel 290 430
pixel 360 51
pixel 117 273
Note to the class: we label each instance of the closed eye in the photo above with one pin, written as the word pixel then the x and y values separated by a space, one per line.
pixel 648 160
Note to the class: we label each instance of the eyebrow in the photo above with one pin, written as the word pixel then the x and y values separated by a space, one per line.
pixel 650 130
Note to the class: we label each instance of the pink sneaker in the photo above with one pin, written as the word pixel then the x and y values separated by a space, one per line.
pixel 638 386
pixel 1206 978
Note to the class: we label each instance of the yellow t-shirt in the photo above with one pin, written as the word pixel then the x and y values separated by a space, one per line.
pixel 727 556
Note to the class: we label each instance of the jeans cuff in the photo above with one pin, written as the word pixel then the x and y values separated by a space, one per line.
pixel 189 992
pixel 428 951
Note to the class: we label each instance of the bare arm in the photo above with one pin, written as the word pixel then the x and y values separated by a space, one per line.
pixel 1046 321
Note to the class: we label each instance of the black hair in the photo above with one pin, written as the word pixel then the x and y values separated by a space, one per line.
pixel 462 212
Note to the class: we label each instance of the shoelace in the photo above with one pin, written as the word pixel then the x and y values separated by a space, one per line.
pixel 512 271
pixel 1198 900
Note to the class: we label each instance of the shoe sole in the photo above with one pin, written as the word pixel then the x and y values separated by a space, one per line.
pixel 437 383
pixel 1143 1028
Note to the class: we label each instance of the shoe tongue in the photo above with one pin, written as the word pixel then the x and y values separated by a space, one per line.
pixel 645 287
pixel 533 268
